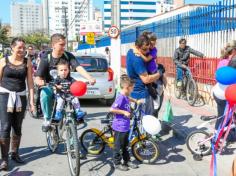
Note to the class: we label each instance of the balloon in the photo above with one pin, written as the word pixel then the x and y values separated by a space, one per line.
pixel 230 94
pixel 151 124
pixel 219 91
pixel 226 75
pixel 78 88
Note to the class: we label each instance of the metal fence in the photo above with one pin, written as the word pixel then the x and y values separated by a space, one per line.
pixel 218 17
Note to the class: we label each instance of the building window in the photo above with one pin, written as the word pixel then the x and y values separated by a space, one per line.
pixel 144 3
pixel 142 10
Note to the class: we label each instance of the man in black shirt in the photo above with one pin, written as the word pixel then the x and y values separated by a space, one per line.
pixel 48 62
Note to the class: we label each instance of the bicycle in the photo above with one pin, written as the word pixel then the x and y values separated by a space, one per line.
pixel 199 142
pixel 188 89
pixel 66 131
pixel 143 148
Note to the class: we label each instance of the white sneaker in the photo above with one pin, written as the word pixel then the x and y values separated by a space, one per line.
pixel 46 125
pixel 179 83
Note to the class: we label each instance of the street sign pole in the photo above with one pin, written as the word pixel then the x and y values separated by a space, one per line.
pixel 116 42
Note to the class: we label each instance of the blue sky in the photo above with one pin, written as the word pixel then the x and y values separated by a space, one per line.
pixel 5 6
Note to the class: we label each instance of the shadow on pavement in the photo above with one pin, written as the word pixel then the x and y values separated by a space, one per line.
pixel 16 172
pixel 34 153
pixel 92 103
pixel 169 151
pixel 100 165
pixel 91 116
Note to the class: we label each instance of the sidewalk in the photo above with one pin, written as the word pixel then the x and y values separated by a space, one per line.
pixel 186 117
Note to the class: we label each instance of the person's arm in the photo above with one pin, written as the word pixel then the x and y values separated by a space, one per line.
pixel 76 66
pixel 145 58
pixel 2 65
pixel 30 84
pixel 119 111
pixel 196 53
pixel 140 69
pixel 41 71
pixel 164 79
pixel 85 74
pixel 146 78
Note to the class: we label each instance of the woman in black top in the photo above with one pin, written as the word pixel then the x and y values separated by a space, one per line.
pixel 14 70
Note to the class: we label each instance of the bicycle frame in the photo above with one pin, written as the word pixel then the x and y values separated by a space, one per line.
pixel 213 135
pixel 103 136
pixel 134 128
pixel 67 118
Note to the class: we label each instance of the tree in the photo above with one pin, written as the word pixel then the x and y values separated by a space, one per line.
pixel 3 35
pixel 36 39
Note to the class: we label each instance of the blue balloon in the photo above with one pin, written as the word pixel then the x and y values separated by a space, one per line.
pixel 226 75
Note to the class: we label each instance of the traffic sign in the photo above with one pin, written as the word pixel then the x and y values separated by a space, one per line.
pixel 113 32
pixel 90 38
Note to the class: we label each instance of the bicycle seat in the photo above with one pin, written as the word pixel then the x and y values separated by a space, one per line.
pixel 105 121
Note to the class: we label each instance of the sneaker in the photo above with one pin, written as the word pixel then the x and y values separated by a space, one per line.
pixel 179 83
pixel 80 114
pixel 121 167
pixel 46 126
pixel 131 165
pixel 58 115
pixel 82 155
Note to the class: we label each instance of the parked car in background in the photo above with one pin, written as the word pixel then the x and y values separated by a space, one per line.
pixel 97 66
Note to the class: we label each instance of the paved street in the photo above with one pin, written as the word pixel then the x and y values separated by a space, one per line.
pixel 175 159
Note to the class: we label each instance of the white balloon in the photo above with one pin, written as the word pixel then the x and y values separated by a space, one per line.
pixel 151 124
pixel 219 91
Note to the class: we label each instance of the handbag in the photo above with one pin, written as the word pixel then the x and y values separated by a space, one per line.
pixel 168 115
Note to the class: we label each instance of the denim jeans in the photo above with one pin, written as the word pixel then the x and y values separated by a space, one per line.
pixel 180 72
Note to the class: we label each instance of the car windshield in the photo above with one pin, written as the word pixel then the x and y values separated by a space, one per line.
pixel 92 64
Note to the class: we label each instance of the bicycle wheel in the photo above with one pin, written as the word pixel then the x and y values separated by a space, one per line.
pixel 91 142
pixel 145 151
pixel 196 145
pixel 72 147
pixel 52 138
pixel 177 90
pixel 191 92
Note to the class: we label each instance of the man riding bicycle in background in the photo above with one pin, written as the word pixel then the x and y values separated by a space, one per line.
pixel 181 59
pixel 49 62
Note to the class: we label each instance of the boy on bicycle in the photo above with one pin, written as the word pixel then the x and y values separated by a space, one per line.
pixel 62 83
pixel 121 124
pixel 181 59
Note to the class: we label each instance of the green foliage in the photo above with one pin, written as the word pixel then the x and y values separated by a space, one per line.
pixel 36 39
pixel 3 35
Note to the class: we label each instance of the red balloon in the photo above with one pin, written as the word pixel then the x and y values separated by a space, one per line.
pixel 230 94
pixel 78 88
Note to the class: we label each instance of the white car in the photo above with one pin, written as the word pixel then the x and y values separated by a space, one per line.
pixel 97 66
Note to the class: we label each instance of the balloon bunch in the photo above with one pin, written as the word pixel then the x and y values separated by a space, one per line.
pixel 225 89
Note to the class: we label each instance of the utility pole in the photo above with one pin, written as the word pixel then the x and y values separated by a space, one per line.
pixel 64 10
pixel 116 42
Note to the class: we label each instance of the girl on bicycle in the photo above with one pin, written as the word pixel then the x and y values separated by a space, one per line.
pixel 121 125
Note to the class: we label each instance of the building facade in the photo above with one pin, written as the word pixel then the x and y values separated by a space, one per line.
pixel 70 13
pixel 26 18
pixel 136 10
